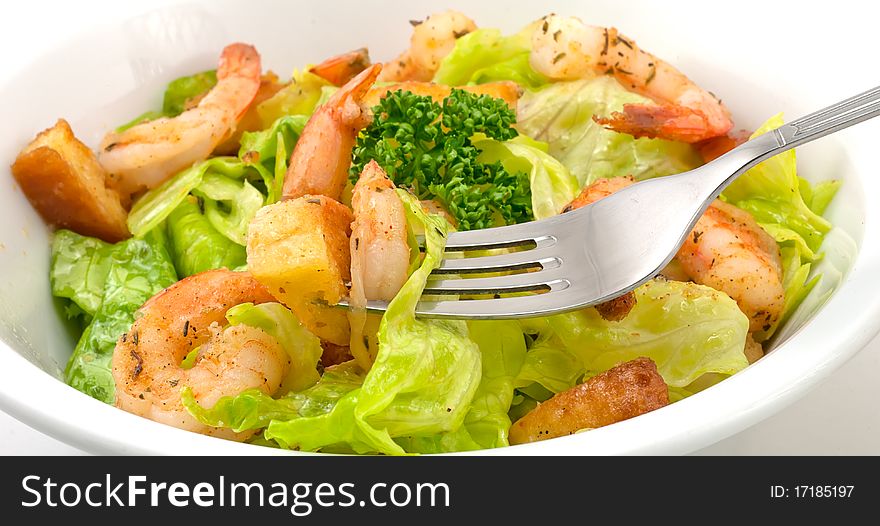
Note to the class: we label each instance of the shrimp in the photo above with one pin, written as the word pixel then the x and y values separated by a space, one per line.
pixel 567 49
pixel 340 69
pixel 615 309
pixel 145 155
pixel 431 41
pixel 730 252
pixel 727 250
pixel 147 360
pixel 320 161
pixel 379 255
pixel 622 392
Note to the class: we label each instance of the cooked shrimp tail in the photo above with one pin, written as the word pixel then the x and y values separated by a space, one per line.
pixel 320 161
pixel 340 69
pixel 147 154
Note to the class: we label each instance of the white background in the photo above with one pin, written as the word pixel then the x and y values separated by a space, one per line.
pixel 841 416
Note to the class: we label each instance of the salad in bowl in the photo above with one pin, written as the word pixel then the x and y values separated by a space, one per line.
pixel 202 249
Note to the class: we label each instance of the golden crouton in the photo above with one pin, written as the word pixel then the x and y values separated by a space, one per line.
pixel 630 389
pixel 299 249
pixel 65 183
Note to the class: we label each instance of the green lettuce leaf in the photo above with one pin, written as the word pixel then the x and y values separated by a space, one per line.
pixel 185 88
pixel 253 409
pixel 300 97
pixel 789 208
pixel 503 351
pixel 266 151
pixel 688 330
pixel 79 269
pixel 152 208
pixel 229 204
pixel 562 116
pixel 137 269
pixel 485 55
pixel 195 245
pixel 552 185
pixel 303 347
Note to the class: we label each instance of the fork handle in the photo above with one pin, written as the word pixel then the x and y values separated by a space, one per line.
pixel 813 126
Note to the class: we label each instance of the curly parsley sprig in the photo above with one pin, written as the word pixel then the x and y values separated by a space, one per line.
pixel 427 147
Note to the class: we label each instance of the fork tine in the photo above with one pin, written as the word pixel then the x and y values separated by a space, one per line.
pixel 550 280
pixel 523 234
pixel 543 257
pixel 516 307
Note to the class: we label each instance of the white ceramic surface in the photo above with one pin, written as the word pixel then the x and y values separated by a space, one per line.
pixel 759 58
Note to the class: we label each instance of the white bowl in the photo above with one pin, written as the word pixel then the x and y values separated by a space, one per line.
pixel 760 58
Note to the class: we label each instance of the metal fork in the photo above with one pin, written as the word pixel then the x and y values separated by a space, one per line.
pixel 603 250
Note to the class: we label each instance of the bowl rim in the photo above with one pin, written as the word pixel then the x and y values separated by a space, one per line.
pixel 25 388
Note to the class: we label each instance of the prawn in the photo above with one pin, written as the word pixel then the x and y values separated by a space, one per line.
pixel 147 360
pixel 730 252
pixel 320 161
pixel 432 39
pixel 340 69
pixel 145 155
pixel 727 250
pixel 379 255
pixel 564 48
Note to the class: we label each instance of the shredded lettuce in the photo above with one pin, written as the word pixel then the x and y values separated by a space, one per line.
pixel 552 185
pixel 300 97
pixel 157 204
pixel 485 55
pixel 195 245
pixel 229 204
pixel 789 208
pixel 303 347
pixel 136 269
pixel 79 270
pixel 561 115
pixel 503 351
pixel 688 330
pixel 267 151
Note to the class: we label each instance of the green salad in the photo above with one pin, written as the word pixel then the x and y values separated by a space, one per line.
pixel 254 204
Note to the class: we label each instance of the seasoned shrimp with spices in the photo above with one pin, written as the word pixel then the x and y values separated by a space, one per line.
pixel 564 48
pixel 432 39
pixel 730 252
pixel 379 255
pixel 320 161
pixel 187 316
pixel 147 154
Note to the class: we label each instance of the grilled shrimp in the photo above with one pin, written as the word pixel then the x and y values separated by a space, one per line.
pixel 566 49
pixel 727 250
pixel 379 255
pixel 319 162
pixel 147 359
pixel 431 41
pixel 145 155
pixel 340 69
pixel 730 252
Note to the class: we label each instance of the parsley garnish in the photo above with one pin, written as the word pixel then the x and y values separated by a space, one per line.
pixel 427 147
